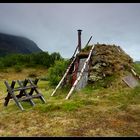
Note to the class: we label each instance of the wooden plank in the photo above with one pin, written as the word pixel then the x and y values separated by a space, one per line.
pixel 130 81
pixel 80 75
pixel 24 88
pixel 30 97
pixel 83 82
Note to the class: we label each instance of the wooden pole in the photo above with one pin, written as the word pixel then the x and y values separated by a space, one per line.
pixel 13 96
pixel 9 95
pixel 135 74
pixel 80 75
pixel 88 41
pixel 63 77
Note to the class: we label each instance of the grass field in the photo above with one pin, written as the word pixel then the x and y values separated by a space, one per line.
pixel 113 111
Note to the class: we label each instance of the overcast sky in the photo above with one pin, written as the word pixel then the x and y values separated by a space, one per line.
pixel 53 26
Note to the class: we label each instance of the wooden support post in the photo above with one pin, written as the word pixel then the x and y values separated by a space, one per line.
pixel 9 95
pixel 80 75
pixel 13 95
pixel 41 97
pixel 32 89
pixel 26 94
pixel 22 91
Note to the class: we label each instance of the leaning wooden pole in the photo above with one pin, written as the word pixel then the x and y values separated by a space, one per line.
pixel 80 75
pixel 135 74
pixel 88 41
pixel 63 77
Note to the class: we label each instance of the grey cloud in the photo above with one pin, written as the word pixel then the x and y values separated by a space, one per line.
pixel 54 26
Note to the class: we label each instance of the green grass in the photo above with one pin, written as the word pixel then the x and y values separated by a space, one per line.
pixel 92 111
pixel 137 67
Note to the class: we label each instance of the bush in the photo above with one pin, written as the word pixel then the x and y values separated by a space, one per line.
pixel 29 60
pixel 56 72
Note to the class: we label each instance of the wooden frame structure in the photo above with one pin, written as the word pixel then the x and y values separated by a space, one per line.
pixel 23 95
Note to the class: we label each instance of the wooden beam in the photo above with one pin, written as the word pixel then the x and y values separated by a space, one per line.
pixel 13 96
pixel 8 97
pixel 30 97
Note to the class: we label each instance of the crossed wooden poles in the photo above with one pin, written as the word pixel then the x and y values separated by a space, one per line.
pixel 23 95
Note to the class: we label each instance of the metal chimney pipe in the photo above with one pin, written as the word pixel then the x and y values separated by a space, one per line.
pixel 79 39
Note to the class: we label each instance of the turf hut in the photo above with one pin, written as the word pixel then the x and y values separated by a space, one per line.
pixel 107 61
pixel 97 63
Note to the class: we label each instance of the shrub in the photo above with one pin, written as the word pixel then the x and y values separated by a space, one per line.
pixel 56 72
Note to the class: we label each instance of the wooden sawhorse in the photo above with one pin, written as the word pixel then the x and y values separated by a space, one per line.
pixel 23 95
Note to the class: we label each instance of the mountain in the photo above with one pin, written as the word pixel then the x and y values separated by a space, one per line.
pixel 16 44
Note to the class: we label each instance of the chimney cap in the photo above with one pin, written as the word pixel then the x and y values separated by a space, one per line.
pixel 79 30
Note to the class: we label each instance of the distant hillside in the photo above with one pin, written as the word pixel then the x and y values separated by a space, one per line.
pixel 137 61
pixel 15 44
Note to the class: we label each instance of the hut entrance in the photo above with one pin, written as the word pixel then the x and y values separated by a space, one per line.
pixel 75 71
pixel 84 78
pixel 83 82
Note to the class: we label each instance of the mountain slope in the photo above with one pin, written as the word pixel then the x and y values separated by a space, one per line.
pixel 16 44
